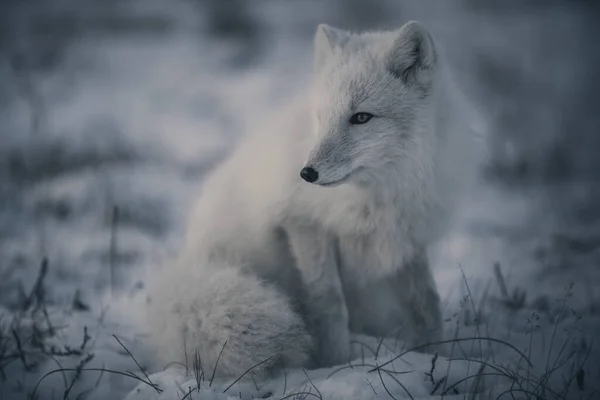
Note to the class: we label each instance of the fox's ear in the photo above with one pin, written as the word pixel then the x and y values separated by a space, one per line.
pixel 327 38
pixel 412 55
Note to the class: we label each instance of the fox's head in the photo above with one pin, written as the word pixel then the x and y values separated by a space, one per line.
pixel 372 104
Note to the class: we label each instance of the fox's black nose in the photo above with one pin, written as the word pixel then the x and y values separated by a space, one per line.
pixel 309 174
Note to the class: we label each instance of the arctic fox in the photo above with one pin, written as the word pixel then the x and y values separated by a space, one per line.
pixel 317 227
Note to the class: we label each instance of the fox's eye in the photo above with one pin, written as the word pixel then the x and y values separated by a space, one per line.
pixel 360 118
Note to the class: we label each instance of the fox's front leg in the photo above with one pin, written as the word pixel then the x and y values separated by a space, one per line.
pixel 315 252
pixel 421 301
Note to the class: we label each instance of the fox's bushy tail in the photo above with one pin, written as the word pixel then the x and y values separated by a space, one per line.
pixel 191 315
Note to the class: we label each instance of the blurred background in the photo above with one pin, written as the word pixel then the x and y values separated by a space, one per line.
pixel 112 112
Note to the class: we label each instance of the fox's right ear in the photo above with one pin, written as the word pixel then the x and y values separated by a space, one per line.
pixel 412 55
pixel 327 38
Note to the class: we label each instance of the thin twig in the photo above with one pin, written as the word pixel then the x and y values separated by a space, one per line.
pixel 38 287
pixel 212 377
pixel 78 370
pixel 130 375
pixel 311 382
pixel 133 358
pixel 385 386
pixel 20 350
pixel 457 340
pixel 248 370
pixel 113 248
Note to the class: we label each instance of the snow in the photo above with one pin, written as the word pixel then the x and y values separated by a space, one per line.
pixel 127 105
pixel 404 378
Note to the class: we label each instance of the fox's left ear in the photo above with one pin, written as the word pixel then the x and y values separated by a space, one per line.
pixel 412 56
pixel 327 39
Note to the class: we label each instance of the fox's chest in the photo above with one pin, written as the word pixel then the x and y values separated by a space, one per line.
pixel 365 255
pixel 376 254
pixel 369 273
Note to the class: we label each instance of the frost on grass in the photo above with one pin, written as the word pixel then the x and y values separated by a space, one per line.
pixel 61 352
pixel 495 349
pixel 501 347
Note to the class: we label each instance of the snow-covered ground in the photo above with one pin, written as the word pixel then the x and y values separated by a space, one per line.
pixel 112 113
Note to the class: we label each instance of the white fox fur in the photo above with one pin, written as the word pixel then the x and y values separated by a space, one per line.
pixel 282 268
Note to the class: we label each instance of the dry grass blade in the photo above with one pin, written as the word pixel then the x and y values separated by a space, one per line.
pixel 430 373
pixel 198 370
pixel 457 340
pixel 574 375
pixel 557 365
pixel 110 371
pixel 20 350
pixel 486 364
pixel 385 386
pixel 305 394
pixel 363 346
pixel 373 368
pixel 99 377
pixel 189 393
pixel 465 379
pixel 311 382
pixel 512 391
pixel 438 384
pixel 248 370
pixel 134 360
pixel 86 338
pixel 558 319
pixel 517 378
pixel 397 381
pixel 113 248
pixel 284 380
pixel 500 279
pixel 77 375
pixel 187 371
pixel 475 316
pixel 212 377
pixel 37 292
pixel 380 342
